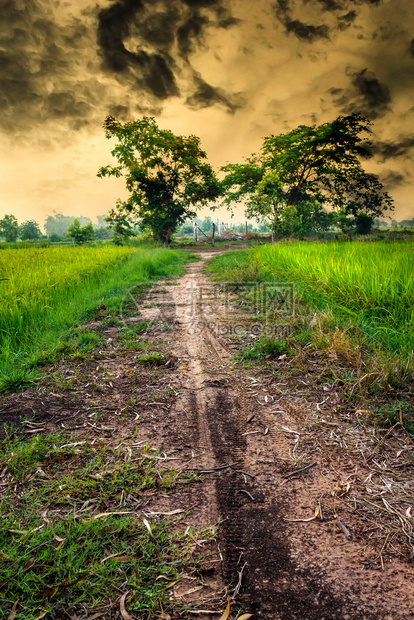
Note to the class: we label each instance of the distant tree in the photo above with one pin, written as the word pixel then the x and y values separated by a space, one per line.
pixel 207 224
pixel 55 238
pixel 101 221
pixel 30 230
pixel 80 234
pixel 58 223
pixel 167 175
pixel 9 228
pixel 104 232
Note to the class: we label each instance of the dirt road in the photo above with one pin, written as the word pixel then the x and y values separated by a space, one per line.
pixel 281 561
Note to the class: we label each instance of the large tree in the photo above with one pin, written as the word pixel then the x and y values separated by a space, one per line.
pixel 307 168
pixel 167 175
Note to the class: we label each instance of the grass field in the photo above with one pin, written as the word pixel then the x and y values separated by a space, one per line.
pixel 45 291
pixel 354 302
pixel 372 283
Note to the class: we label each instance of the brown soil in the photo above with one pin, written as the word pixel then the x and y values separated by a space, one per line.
pixel 248 429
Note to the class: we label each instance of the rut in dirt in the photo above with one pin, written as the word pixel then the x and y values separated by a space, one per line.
pixel 258 568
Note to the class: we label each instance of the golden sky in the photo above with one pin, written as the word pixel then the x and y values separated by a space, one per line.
pixel 229 71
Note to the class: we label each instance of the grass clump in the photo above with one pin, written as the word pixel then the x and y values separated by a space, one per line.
pixel 264 348
pixel 152 359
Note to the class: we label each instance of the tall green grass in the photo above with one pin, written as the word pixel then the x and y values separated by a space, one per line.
pixel 43 292
pixel 371 283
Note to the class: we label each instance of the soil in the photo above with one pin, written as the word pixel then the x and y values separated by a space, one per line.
pixel 316 544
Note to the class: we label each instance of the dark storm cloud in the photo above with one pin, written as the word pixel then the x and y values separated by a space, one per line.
pixel 374 96
pixel 329 15
pixel 392 179
pixel 134 23
pixel 57 67
pixel 34 65
pixel 344 21
pixel 205 96
pixel 303 31
pixel 307 32
pixel 367 95
pixel 393 149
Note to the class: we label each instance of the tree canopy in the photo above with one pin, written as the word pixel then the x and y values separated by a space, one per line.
pixel 81 234
pixel 297 173
pixel 9 228
pixel 167 175
pixel 30 230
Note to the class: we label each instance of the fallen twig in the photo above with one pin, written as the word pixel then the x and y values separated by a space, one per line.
pixel 298 471
pixel 247 493
pixel 246 473
pixel 206 471
pixel 344 529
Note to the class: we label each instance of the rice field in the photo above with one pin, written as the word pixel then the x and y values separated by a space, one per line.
pixel 372 283
pixel 44 291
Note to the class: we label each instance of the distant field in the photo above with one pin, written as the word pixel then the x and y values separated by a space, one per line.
pixel 372 283
pixel 44 291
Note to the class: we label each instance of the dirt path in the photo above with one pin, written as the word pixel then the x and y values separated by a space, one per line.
pixel 280 568
pixel 313 509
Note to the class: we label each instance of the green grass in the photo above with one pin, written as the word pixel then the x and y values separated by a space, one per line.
pixel 58 529
pixel 371 284
pixel 45 292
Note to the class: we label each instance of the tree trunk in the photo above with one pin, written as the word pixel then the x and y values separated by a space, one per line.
pixel 212 236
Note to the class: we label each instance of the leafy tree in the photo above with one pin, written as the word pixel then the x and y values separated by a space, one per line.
pixel 307 168
pixel 363 223
pixel 30 230
pixel 121 226
pixel 80 234
pixel 9 228
pixel 166 175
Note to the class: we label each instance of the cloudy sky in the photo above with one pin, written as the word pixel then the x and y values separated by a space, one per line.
pixel 230 71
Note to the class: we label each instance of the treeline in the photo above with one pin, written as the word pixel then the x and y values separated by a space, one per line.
pixel 58 228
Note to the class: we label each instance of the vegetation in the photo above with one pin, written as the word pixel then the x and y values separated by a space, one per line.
pixel 81 234
pixel 166 175
pixel 298 173
pixel 70 535
pixel 44 292
pixel 30 231
pixel 9 228
pixel 353 306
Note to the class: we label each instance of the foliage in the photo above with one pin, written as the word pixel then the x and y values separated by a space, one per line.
pixel 30 230
pixel 298 173
pixel 121 225
pixel 363 223
pixel 44 291
pixel 9 228
pixel 81 234
pixel 66 545
pixel 371 283
pixel 167 175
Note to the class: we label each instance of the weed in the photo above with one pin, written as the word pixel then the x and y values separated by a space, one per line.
pixel 152 359
pixel 264 348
